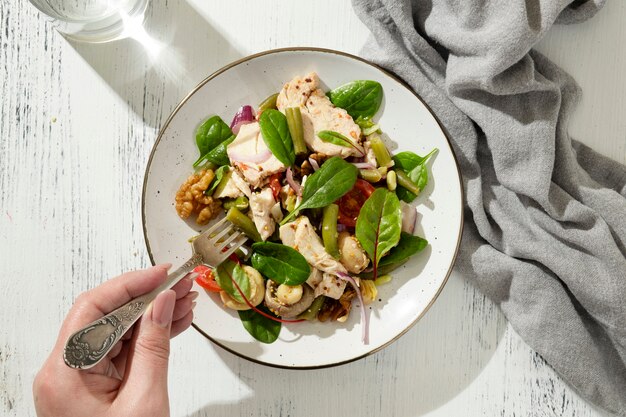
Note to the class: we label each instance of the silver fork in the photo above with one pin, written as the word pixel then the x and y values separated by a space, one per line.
pixel 85 348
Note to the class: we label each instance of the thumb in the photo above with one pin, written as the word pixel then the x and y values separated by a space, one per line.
pixel 146 366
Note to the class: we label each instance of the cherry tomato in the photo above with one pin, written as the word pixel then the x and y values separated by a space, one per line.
pixel 275 185
pixel 350 204
pixel 206 278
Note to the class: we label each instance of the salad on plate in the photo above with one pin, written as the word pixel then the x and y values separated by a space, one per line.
pixel 308 178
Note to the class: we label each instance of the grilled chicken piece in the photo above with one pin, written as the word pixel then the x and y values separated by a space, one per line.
pixel 301 236
pixel 331 286
pixel 249 143
pixel 318 114
pixel 261 205
pixel 235 186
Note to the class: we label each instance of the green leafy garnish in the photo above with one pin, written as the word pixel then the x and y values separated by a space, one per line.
pixel 359 98
pixel 415 167
pixel 229 271
pixel 379 224
pixel 260 327
pixel 275 131
pixel 408 246
pixel 218 155
pixel 280 263
pixel 219 175
pixel 337 138
pixel 209 135
pixel 329 183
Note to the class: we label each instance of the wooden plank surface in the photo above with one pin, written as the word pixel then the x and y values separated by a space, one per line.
pixel 77 123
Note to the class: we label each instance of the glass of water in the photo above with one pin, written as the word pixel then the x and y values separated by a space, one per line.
pixel 93 20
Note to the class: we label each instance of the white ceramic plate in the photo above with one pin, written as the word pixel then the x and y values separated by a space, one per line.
pixel 409 125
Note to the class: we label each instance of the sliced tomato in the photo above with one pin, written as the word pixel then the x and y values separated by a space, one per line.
pixel 350 204
pixel 275 185
pixel 206 278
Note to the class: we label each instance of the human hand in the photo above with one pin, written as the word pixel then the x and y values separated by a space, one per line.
pixel 132 379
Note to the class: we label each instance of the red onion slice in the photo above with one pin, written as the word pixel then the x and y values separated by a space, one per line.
pixel 254 159
pixel 293 183
pixel 365 325
pixel 409 217
pixel 363 165
pixel 314 164
pixel 244 115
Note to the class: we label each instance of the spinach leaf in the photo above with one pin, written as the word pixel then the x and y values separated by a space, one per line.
pixel 229 271
pixel 275 131
pixel 379 224
pixel 415 167
pixel 280 263
pixel 209 135
pixel 408 246
pixel 337 138
pixel 218 154
pixel 219 175
pixel 359 98
pixel 260 327
pixel 329 183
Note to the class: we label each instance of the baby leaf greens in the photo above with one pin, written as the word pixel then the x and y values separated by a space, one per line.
pixel 359 98
pixel 408 246
pixel 218 155
pixel 379 224
pixel 334 178
pixel 275 131
pixel 415 167
pixel 280 263
pixel 210 134
pixel 337 138
pixel 219 174
pixel 229 271
pixel 260 327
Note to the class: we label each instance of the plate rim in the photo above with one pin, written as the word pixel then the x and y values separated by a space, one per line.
pixel 384 72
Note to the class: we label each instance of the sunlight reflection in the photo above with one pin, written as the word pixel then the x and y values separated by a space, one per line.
pixel 163 59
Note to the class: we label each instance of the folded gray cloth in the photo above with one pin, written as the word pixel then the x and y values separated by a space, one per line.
pixel 545 233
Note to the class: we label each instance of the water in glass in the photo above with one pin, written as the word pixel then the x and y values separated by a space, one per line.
pixel 93 20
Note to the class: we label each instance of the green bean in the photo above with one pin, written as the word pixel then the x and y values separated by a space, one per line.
pixel 241 203
pixel 391 180
pixel 380 151
pixel 294 121
pixel 315 307
pixel 370 175
pixel 406 182
pixel 329 229
pixel 268 103
pixel 382 170
pixel 243 223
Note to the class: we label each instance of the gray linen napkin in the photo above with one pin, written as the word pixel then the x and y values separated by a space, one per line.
pixel 545 233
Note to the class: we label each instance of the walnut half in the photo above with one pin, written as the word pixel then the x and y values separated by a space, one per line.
pixel 190 198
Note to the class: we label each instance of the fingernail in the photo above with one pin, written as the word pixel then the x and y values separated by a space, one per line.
pixel 165 266
pixel 193 294
pixel 163 308
pixel 193 305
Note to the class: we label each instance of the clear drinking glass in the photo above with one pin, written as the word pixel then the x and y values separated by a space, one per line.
pixel 93 20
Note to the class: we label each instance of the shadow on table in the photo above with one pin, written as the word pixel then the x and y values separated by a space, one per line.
pixel 174 50
pixel 434 362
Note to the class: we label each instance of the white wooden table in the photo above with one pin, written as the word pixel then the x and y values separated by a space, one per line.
pixel 77 124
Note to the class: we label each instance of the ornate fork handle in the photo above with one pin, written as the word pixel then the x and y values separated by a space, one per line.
pixel 89 345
